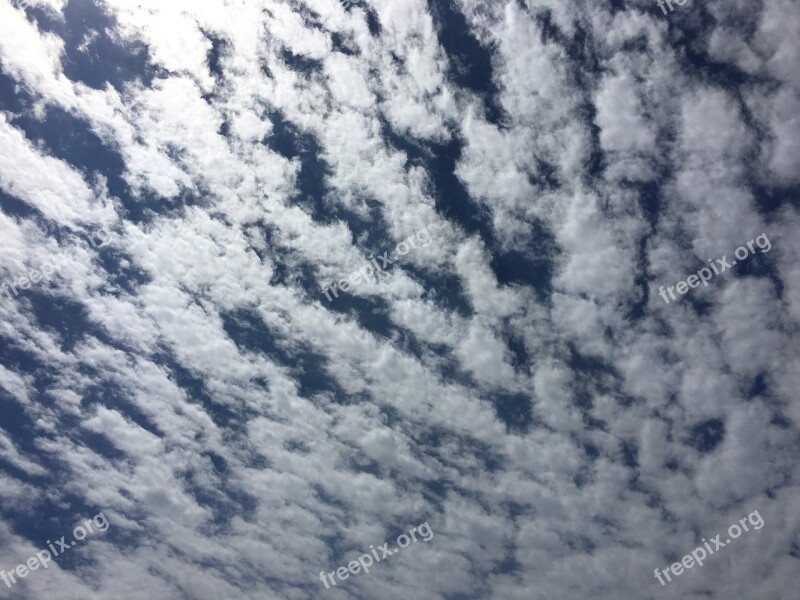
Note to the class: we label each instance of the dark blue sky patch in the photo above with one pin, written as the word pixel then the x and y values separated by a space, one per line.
pixel 149 206
pixel 544 174
pixel 580 544
pixel 636 45
pixel 591 450
pixel 344 46
pixel 214 57
pixel 289 141
pixel 56 515
pixel 593 376
pixel 310 371
pixel 795 549
pixel 326 498
pixel 756 264
pixel 717 74
pixel 596 163
pixel 301 64
pixel 445 289
pixel 617 6
pixel 520 358
pixel 14 207
pixel 98 442
pixel 630 453
pixel 451 196
pixel 397 61
pixel 435 492
pixel 371 235
pixel 256 461
pixel 311 18
pixel 701 306
pixel 706 436
pixel 606 525
pixel 593 423
pixel 507 564
pixel 218 462
pixel 16 422
pixel 224 416
pixel 430 439
pixel 289 271
pixel 515 509
pixel 67 318
pixel 251 333
pixel 125 278
pixel 13 95
pixel 297 447
pixel 514 410
pixel 220 494
pixel 649 199
pixel 637 310
pixel 759 386
pixel 112 397
pixel 770 199
pixel 46 20
pixel 374 23
pixel 264 68
pixel 780 420
pixel 357 462
pixel 550 32
pixel 452 371
pixel 417 153
pixel 691 30
pixel 533 267
pixel 26 436
pixel 103 61
pixel 649 195
pixel 371 312
pixel 71 139
pixel 590 365
pixel 408 343
pixel 289 268
pixel 308 368
pixel 583 67
pixel 583 477
pixel 470 63
pixel 11 469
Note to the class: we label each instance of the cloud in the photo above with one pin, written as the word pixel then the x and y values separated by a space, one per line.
pixel 518 383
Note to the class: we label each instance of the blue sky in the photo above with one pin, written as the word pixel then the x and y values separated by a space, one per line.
pixel 515 379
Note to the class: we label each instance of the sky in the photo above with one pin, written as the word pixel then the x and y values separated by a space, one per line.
pixel 283 282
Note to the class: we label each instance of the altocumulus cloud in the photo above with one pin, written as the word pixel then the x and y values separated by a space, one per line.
pixel 518 384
